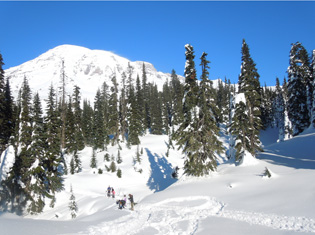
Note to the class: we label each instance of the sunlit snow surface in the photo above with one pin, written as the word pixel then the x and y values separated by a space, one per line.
pixel 234 200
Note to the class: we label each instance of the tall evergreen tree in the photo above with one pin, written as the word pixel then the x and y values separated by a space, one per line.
pixel 38 189
pixel 313 78
pixel 279 110
pixel 123 109
pixel 249 85
pixel 52 157
pixel 146 99
pixel 78 133
pixel 98 122
pixel 2 109
pixel 87 122
pixel 156 112
pixel 185 134
pixel 113 115
pixel 177 97
pixel 297 84
pixel 134 119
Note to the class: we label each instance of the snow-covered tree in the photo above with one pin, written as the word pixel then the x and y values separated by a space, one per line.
pixel 279 110
pixel 299 75
pixel 73 206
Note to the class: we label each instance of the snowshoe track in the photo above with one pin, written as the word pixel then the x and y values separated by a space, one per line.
pixel 181 216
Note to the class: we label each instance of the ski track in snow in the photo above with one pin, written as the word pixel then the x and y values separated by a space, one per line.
pixel 182 216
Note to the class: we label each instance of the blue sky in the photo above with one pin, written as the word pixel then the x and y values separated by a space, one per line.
pixel 157 32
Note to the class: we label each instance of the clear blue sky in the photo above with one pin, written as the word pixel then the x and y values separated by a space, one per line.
pixel 157 32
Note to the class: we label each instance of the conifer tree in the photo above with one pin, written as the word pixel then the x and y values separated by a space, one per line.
pixel 70 141
pixel 313 78
pixel 78 133
pixel 297 103
pixel 279 110
pixel 146 99
pixel 53 159
pixel 156 112
pixel 249 85
pixel 8 124
pixel 93 163
pixel 72 204
pixel 177 97
pixel 87 122
pixel 185 135
pixel 113 119
pixel 98 123
pixel 123 110
pixel 134 119
pixel 38 189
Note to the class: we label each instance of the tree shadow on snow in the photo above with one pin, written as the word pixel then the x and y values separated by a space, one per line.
pixel 297 153
pixel 161 172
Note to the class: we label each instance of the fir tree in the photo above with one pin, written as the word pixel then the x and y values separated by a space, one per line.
pixel 53 159
pixel 134 118
pixel 123 110
pixel 93 163
pixel 249 85
pixel 279 110
pixel 70 141
pixel 298 99
pixel 156 112
pixel 146 99
pixel 113 119
pixel 119 173
pixel 98 123
pixel 177 97
pixel 87 122
pixel 78 133
pixel 72 204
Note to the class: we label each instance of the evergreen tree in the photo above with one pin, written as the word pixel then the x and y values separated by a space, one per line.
pixel 134 118
pixel 177 97
pixel 140 101
pixel 87 122
pixel 98 123
pixel 297 84
pixel 113 119
pixel 123 109
pixel 38 175
pixel 279 110
pixel 313 78
pixel 249 85
pixel 72 204
pixel 146 99
pixel 93 163
pixel 70 141
pixel 78 133
pixel 156 112
pixel 52 161
pixel 186 133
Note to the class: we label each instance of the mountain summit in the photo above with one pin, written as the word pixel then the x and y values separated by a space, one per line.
pixel 83 67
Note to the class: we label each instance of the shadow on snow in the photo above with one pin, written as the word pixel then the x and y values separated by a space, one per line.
pixel 297 152
pixel 161 172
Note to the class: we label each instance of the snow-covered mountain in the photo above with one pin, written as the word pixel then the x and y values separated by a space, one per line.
pixel 83 67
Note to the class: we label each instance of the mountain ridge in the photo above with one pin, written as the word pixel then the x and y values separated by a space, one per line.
pixel 83 67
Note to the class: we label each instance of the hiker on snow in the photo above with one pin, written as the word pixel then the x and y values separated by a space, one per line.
pixel 131 201
pixel 108 191
pixel 113 192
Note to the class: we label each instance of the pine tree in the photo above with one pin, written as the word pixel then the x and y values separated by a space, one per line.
pixel 93 163
pixel 98 123
pixel 78 134
pixel 177 97
pixel 249 85
pixel 52 156
pixel 87 123
pixel 146 99
pixel 156 112
pixel 279 110
pixel 298 99
pixel 134 118
pixel 113 119
pixel 3 128
pixel 123 109
pixel 38 175
pixel 186 135
pixel 72 204
pixel 313 78
pixel 70 141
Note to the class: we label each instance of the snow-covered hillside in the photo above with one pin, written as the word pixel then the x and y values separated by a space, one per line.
pixel 234 200
pixel 83 67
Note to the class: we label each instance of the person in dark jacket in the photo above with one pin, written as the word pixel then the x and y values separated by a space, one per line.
pixel 131 201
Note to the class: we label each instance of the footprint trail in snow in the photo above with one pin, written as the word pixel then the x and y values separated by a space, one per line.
pixel 184 215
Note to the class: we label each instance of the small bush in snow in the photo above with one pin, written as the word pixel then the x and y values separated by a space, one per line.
pixel 267 173
pixel 119 173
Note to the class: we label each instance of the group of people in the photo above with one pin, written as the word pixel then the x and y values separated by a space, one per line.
pixel 111 192
pixel 121 202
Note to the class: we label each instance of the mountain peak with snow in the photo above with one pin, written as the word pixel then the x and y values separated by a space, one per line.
pixel 86 68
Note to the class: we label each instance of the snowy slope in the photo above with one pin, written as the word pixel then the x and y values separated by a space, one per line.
pixel 234 200
pixel 83 67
